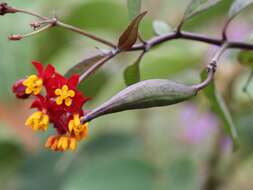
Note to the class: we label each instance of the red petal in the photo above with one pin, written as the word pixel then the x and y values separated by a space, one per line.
pixel 73 81
pixel 77 103
pixel 49 71
pixel 56 81
pixel 39 103
pixel 39 67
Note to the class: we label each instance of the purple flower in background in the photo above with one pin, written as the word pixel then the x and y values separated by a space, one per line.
pixel 197 125
pixel 239 30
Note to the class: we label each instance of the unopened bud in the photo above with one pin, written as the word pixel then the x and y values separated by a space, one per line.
pixel 19 89
pixel 15 37
pixel 4 9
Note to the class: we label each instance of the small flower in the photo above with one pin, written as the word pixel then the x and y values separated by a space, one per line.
pixel 33 84
pixel 64 95
pixel 38 121
pixel 61 143
pixel 77 129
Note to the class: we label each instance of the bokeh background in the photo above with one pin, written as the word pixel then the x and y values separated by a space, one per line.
pixel 180 147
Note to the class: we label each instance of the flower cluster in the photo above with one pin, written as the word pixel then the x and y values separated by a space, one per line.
pixel 57 101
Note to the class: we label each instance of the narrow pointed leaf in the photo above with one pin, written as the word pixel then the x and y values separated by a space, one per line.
pixel 132 72
pixel 238 6
pixel 130 35
pixel 161 27
pixel 198 6
pixel 145 94
pixel 134 8
pixel 220 108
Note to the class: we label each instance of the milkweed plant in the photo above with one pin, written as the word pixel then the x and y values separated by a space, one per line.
pixel 57 100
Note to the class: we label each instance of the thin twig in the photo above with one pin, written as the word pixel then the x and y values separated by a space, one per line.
pixel 84 33
pixel 37 31
pixel 32 14
pixel 69 27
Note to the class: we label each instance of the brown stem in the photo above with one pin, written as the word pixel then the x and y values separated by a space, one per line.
pixel 84 33
pixel 32 14
pixel 190 36
pixel 156 40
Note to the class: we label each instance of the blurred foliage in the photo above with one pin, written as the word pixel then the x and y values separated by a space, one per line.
pixel 129 150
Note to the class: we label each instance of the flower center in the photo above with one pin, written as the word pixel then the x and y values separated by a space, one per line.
pixel 79 130
pixel 33 84
pixel 64 95
pixel 38 121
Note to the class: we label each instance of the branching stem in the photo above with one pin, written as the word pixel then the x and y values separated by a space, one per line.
pixel 211 67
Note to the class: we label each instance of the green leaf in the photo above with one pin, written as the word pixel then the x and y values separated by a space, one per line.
pixel 84 65
pixel 198 6
pixel 130 35
pixel 238 6
pixel 134 8
pixel 161 27
pixel 220 108
pixel 132 72
pixel 145 94
pixel 245 57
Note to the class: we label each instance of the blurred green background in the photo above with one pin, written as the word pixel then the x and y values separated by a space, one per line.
pixel 180 147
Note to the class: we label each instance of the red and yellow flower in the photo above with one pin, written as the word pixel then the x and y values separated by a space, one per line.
pixel 59 104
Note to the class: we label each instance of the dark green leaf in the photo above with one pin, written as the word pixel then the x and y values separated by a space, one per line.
pixel 161 27
pixel 198 6
pixel 134 7
pixel 220 108
pixel 145 94
pixel 130 35
pixel 132 72
pixel 245 57
pixel 238 6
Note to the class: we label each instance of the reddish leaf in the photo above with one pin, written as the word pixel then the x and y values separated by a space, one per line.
pixel 130 35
